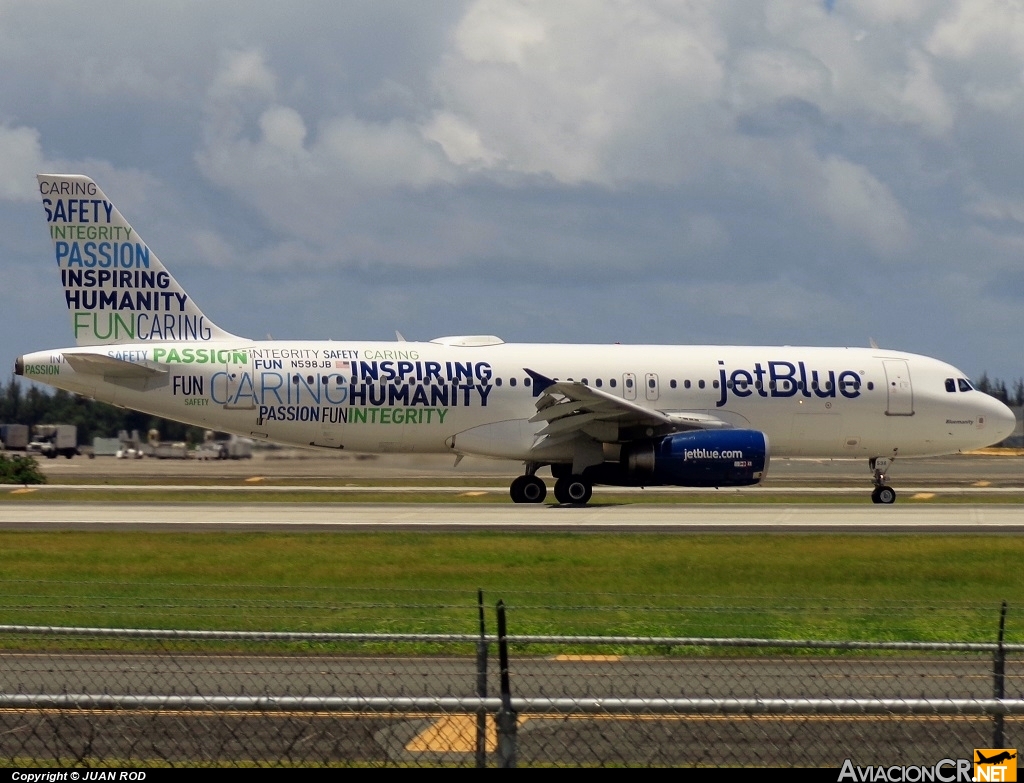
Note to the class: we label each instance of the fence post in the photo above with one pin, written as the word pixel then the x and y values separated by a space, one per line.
pixel 481 685
pixel 506 717
pixel 999 679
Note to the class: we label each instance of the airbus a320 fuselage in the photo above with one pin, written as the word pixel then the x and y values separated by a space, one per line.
pixel 628 415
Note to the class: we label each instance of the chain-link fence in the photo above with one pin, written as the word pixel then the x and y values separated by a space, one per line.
pixel 92 696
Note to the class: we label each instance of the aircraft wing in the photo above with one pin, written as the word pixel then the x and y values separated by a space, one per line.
pixel 133 375
pixel 571 407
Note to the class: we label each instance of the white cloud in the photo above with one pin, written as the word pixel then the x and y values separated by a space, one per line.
pixel 763 76
pixel 980 29
pixel 889 11
pixel 460 141
pixel 861 205
pixel 243 72
pixel 21 158
pixel 212 248
pixel 556 88
pixel 923 98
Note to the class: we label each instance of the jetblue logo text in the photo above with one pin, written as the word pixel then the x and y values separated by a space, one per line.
pixel 785 379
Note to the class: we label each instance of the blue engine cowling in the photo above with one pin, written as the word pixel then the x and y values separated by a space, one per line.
pixel 702 458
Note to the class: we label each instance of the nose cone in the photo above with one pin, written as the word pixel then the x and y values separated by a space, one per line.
pixel 1001 420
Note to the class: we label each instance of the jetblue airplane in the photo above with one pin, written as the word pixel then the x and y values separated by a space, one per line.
pixel 624 415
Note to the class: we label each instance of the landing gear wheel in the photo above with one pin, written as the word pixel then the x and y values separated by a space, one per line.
pixel 528 489
pixel 573 491
pixel 516 490
pixel 534 490
pixel 884 495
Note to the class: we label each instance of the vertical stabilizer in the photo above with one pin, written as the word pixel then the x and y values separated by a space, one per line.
pixel 116 289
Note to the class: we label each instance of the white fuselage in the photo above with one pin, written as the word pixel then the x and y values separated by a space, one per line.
pixel 418 397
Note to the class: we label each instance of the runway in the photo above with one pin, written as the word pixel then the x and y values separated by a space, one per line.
pixel 668 518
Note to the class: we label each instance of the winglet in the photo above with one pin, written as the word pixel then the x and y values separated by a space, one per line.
pixel 540 382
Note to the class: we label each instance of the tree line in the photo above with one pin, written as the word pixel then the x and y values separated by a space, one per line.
pixel 998 389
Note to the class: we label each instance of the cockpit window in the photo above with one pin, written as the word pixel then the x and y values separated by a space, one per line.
pixel 950 385
pixel 964 384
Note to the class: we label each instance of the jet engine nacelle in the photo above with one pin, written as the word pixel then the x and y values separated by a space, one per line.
pixel 702 458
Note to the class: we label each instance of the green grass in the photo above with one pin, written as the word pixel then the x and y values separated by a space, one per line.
pixel 779 586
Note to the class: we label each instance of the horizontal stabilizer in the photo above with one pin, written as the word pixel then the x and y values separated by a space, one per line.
pixel 132 375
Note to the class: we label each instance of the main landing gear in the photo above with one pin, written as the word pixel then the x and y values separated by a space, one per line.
pixel 573 490
pixel 570 490
pixel 528 489
pixel 882 494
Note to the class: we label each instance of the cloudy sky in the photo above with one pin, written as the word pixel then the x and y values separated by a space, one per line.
pixel 789 172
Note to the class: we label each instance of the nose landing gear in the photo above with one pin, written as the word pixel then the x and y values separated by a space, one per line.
pixel 882 494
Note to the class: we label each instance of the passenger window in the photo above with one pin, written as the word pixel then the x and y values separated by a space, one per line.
pixel 612 383
pixel 526 382
pixel 950 385
pixel 599 383
pixel 650 383
pixel 511 381
pixel 672 383
pixel 629 383
pixel 686 384
pixel 497 381
pixel 700 384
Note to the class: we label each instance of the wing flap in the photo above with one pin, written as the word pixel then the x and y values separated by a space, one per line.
pixel 571 407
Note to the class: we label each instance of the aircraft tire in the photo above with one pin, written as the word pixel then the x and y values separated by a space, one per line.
pixel 533 490
pixel 886 495
pixel 573 491
pixel 516 490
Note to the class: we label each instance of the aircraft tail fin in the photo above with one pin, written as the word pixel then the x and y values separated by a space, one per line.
pixel 116 289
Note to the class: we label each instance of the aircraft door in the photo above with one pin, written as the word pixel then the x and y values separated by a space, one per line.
pixel 629 385
pixel 651 386
pixel 901 393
